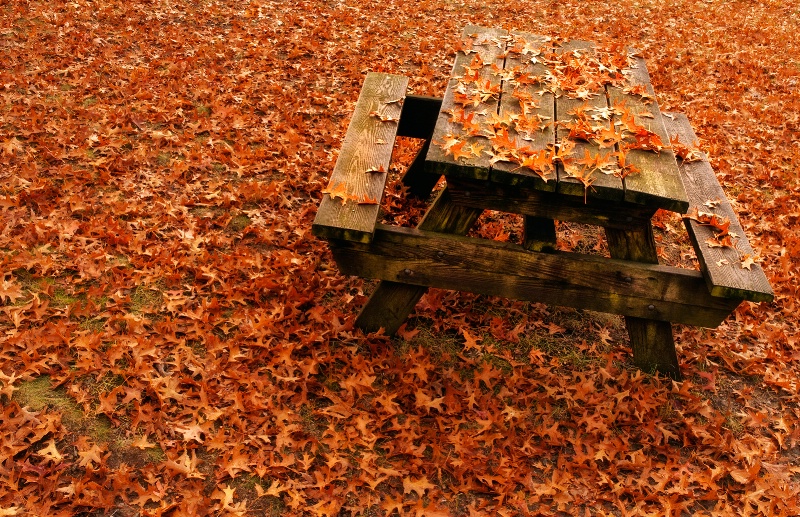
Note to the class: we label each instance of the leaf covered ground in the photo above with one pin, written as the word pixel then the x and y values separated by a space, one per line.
pixel 175 342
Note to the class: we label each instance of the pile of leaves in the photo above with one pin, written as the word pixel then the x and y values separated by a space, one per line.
pixel 173 341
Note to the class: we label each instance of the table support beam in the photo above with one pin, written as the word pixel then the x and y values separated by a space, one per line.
pixel 651 340
pixel 391 302
pixel 539 233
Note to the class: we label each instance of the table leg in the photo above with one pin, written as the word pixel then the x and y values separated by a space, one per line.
pixel 540 234
pixel 420 183
pixel 391 303
pixel 651 340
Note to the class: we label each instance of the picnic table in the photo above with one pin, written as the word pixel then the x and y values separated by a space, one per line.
pixel 555 131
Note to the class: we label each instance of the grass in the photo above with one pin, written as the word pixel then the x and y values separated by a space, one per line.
pixel 239 223
pixel 39 394
pixel 146 299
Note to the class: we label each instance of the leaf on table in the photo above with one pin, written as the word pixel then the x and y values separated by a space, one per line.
pixel 337 191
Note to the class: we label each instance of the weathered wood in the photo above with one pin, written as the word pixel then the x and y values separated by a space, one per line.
pixel 367 147
pixel 392 302
pixel 521 66
pixel 604 186
pixel 651 336
pixel 659 183
pixel 721 266
pixel 539 234
pixel 418 120
pixel 548 205
pixel 410 256
pixel 439 162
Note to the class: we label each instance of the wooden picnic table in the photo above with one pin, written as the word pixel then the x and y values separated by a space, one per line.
pixel 553 131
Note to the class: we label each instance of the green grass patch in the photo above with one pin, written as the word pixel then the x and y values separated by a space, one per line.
pixel 146 299
pixel 39 394
pixel 239 223
pixel 61 298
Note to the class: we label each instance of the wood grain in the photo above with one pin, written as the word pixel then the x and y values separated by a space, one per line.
pixel 511 173
pixel 367 146
pixel 659 183
pixel 438 161
pixel 393 300
pixel 605 186
pixel 422 258
pixel 549 205
pixel 722 267
pixel 651 336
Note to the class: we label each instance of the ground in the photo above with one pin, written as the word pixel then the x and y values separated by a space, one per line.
pixel 176 342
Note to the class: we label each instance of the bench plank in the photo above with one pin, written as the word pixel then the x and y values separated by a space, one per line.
pixel 659 181
pixel 482 42
pixel 349 210
pixel 721 266
pixel 592 282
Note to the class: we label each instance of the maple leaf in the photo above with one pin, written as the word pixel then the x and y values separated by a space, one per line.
pixel 142 443
pixel 458 151
pixel 424 400
pixel 383 117
pixel 747 262
pixel 10 291
pixel 50 452
pixel 470 341
pixel 406 334
pixel 375 170
pixel 608 137
pixel 419 486
pixel 339 190
pixel 11 146
pixel 92 455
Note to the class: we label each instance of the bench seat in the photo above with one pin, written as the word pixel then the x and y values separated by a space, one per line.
pixel 728 271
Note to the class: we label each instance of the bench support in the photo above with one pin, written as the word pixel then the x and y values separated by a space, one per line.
pixel 651 340
pixel 391 303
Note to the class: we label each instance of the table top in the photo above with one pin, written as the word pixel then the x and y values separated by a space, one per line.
pixel 560 116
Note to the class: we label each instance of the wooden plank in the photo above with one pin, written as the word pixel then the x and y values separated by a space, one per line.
pixel 721 266
pixel 658 183
pixel 350 208
pixel 424 258
pixel 392 301
pixel 488 45
pixel 535 203
pixel 604 186
pixel 532 113
pixel 651 337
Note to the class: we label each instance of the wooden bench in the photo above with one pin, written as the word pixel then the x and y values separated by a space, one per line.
pixel 351 203
pixel 727 270
pixel 435 254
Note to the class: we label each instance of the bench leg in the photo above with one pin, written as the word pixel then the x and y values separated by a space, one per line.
pixel 540 234
pixel 391 303
pixel 418 120
pixel 651 340
pixel 420 183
